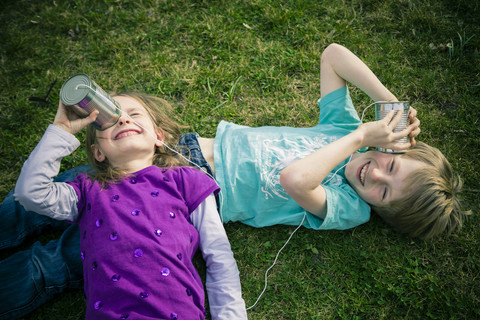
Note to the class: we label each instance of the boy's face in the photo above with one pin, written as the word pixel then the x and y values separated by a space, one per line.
pixel 378 178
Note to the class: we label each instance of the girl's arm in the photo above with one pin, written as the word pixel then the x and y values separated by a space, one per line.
pixel 35 189
pixel 223 280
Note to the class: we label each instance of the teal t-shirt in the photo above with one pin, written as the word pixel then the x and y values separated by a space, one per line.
pixel 248 162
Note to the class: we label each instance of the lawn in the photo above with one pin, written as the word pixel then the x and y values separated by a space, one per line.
pixel 257 63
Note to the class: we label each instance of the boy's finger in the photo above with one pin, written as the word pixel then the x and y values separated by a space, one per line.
pixel 415 132
pixel 401 146
pixel 404 133
pixel 396 119
pixel 388 118
pixel 412 113
pixel 413 142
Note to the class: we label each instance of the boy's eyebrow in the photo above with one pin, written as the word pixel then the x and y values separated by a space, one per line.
pixel 396 167
pixel 396 164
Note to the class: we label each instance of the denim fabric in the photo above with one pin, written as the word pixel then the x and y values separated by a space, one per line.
pixel 189 147
pixel 32 277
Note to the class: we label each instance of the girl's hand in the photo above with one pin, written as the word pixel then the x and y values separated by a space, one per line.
pixel 70 121
pixel 380 133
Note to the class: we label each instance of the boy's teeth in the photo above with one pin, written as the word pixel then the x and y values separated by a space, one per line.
pixel 362 174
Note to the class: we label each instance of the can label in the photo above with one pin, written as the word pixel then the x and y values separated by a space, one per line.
pixel 382 108
pixel 83 96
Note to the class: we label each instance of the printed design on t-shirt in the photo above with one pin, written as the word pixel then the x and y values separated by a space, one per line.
pixel 279 153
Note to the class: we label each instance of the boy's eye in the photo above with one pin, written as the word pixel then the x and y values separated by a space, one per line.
pixel 384 194
pixel 391 165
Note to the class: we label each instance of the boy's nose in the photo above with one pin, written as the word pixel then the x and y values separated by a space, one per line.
pixel 377 175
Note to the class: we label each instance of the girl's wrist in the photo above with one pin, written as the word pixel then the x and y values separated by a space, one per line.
pixel 62 126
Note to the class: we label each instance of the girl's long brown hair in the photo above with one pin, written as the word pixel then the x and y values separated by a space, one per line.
pixel 161 113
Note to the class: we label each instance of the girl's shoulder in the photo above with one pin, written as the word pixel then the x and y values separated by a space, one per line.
pixel 186 172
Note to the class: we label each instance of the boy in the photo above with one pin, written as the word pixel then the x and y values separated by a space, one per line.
pixel 277 176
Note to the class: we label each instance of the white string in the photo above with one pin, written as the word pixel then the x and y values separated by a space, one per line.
pixel 275 261
pixel 221 197
pixel 350 158
pixel 363 113
pixel 303 219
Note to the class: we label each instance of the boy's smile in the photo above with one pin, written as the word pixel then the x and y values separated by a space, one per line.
pixel 362 171
pixel 379 178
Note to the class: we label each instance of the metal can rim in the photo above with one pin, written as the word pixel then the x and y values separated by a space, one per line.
pixel 70 94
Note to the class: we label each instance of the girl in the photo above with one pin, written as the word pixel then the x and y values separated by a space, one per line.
pixel 309 176
pixel 142 216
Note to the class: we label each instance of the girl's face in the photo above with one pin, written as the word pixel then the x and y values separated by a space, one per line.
pixel 128 145
pixel 378 178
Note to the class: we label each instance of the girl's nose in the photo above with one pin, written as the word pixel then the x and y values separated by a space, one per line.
pixel 123 120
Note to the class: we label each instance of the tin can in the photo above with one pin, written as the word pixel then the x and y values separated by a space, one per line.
pixel 382 108
pixel 83 96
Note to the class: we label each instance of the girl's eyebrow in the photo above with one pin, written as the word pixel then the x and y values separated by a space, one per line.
pixel 129 109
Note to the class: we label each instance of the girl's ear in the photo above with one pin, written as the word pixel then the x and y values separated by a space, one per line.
pixel 160 137
pixel 97 153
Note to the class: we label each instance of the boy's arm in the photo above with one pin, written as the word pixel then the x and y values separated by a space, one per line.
pixel 302 179
pixel 223 280
pixel 339 66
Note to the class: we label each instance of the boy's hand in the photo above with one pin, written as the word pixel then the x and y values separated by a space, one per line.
pixel 380 133
pixel 70 121
pixel 415 123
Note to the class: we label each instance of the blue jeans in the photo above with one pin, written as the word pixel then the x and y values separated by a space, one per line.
pixel 32 277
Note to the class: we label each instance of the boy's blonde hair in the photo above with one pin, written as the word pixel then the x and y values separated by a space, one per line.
pixel 431 206
pixel 161 113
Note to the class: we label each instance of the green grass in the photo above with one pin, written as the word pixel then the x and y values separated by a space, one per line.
pixel 257 63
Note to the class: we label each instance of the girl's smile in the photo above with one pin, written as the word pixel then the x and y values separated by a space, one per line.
pixel 126 133
pixel 130 143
